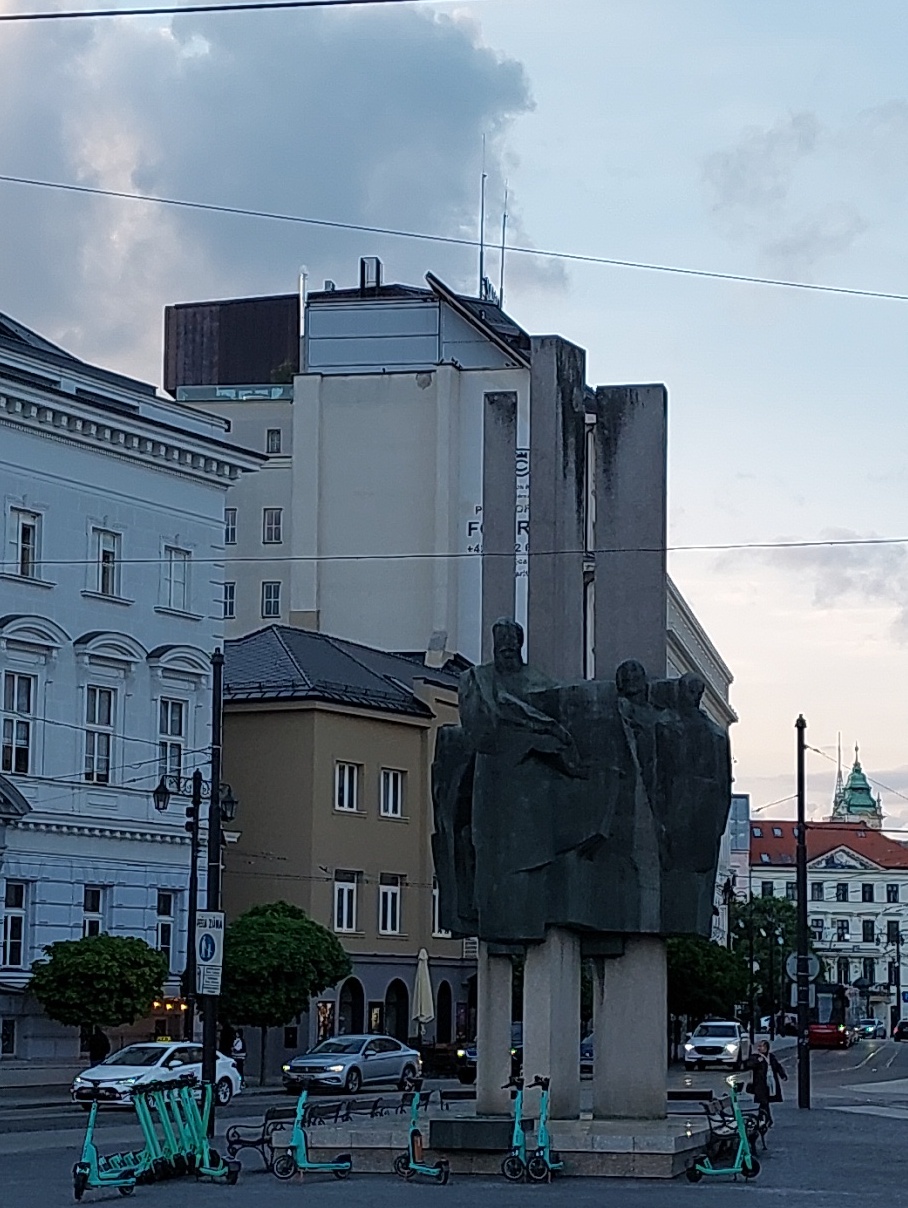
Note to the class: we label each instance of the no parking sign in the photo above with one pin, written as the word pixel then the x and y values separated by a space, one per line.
pixel 209 951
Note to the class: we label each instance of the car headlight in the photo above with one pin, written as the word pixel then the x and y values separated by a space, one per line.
pixel 461 1053
pixel 688 1048
pixel 731 1048
pixel 79 1081
pixel 335 1069
pixel 285 1068
pixel 129 1081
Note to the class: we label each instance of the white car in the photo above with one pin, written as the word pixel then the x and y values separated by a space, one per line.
pixel 112 1081
pixel 721 1041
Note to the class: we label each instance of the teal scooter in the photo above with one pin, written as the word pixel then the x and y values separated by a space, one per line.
pixel 544 1162
pixel 206 1162
pixel 92 1173
pixel 411 1163
pixel 295 1159
pixel 744 1162
pixel 514 1165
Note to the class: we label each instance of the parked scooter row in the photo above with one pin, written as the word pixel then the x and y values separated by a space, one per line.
pixel 175 1130
pixel 540 1165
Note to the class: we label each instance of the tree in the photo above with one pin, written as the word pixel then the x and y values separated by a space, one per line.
pixel 768 921
pixel 100 981
pixel 275 960
pixel 704 978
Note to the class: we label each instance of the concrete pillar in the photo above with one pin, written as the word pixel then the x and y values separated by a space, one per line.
pixel 629 1022
pixel 494 976
pixel 631 492
pixel 499 510
pixel 551 1019
pixel 555 635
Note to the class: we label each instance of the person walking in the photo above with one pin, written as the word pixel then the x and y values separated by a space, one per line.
pixel 98 1046
pixel 238 1053
pixel 767 1076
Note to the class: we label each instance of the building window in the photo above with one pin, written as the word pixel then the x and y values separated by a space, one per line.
pixel 869 968
pixel 777 831
pixel 868 931
pixel 92 913
pixel 99 723
pixel 389 905
pixel 18 715
pixel 176 578
pixel 27 534
pixel 230 526
pixel 171 736
pixel 791 891
pixel 272 520
pixel 817 891
pixel 273 440
pixel 767 889
pixel 271 600
pixel 841 892
pixel 892 931
pixel 7 1037
pixel 392 793
pixel 843 970
pixel 892 893
pixel 107 556
pixel 867 891
pixel 841 929
pixel 816 927
pixel 346 786
pixel 229 601
pixel 12 952
pixel 437 928
pixel 345 887
pixel 165 925
pixel 758 832
pixel 764 857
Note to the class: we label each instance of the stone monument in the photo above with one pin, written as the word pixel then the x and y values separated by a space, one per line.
pixel 577 819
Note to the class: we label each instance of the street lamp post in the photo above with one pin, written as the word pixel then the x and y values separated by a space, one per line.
pixel 802 943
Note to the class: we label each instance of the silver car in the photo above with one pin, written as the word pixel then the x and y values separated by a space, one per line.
pixel 350 1062
pixel 720 1041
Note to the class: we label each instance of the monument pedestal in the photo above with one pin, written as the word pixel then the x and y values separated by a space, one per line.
pixel 629 1005
pixel 494 980
pixel 551 1021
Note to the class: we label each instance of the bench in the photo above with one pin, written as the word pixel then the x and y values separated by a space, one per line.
pixel 406 1100
pixel 462 1095
pixel 367 1107
pixel 261 1139
pixel 723 1128
pixel 318 1112
pixel 691 1095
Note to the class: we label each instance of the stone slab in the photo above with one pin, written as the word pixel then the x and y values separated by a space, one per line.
pixel 481 1135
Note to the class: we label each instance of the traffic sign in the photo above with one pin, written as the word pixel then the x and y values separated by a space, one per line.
pixel 209 951
pixel 813 966
pixel 905 996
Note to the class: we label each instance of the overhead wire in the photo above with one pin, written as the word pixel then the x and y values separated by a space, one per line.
pixel 450 240
pixel 215 7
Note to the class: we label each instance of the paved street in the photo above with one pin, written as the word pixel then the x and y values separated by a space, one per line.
pixel 850 1149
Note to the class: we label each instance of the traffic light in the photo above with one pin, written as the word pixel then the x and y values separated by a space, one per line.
pixel 192 819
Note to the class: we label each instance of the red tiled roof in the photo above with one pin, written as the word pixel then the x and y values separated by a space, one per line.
pixel 775 839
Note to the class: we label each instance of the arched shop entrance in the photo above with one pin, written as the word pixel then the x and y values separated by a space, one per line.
pixel 397 1011
pixel 443 1014
pixel 351 1007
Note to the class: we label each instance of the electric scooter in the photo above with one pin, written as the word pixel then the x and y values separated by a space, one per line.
pixel 514 1165
pixel 544 1163
pixel 296 1160
pixel 744 1162
pixel 411 1163
pixel 88 1173
pixel 207 1162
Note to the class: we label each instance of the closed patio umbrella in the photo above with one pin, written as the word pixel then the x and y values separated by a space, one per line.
pixel 423 1002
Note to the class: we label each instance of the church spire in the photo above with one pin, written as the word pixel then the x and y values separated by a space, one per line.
pixel 839 782
pixel 854 800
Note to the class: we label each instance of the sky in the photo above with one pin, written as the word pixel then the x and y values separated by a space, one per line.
pixel 754 139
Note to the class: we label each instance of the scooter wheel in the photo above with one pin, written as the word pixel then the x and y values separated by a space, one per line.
pixel 750 1168
pixel 538 1170
pixel 233 1173
pixel 513 1169
pixel 345 1164
pixel 80 1184
pixel 126 1190
pixel 402 1166
pixel 444 1172
pixel 693 1172
pixel 284 1166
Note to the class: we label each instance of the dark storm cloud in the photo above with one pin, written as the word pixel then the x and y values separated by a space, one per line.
pixel 372 117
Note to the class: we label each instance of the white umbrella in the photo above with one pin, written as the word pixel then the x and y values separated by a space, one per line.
pixel 423 1003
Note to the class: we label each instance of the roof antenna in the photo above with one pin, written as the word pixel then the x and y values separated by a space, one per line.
pixel 504 234
pixel 482 222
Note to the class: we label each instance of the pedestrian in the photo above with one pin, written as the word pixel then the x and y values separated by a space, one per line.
pixel 238 1053
pixel 767 1076
pixel 228 1035
pixel 98 1046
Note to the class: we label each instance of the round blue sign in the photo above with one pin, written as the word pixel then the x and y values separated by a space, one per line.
pixel 207 947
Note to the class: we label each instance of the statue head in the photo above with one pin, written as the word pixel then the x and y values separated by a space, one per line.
pixel 630 680
pixel 690 691
pixel 507 645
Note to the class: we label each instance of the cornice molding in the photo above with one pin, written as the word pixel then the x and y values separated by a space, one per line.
pixel 93 831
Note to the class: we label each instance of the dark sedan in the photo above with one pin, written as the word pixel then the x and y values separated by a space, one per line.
pixel 466 1056
pixel 900 1031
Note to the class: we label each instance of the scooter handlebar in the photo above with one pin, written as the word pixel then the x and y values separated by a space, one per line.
pixel 542 1083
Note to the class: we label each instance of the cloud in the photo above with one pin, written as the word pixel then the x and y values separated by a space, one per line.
pixel 362 116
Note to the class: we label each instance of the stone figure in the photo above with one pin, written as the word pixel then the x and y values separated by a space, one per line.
pixel 593 806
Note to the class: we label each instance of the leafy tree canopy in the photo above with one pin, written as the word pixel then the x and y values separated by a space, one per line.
pixel 101 980
pixel 704 978
pixel 773 923
pixel 275 959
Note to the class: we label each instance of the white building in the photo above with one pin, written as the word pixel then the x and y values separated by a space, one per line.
pixel 111 601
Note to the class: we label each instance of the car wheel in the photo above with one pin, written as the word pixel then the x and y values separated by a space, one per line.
pixel 354 1082
pixel 407 1079
pixel 224 1091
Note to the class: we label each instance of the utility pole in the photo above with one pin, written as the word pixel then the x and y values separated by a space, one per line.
pixel 213 888
pixel 802 950
pixel 750 966
pixel 193 813
pixel 896 1014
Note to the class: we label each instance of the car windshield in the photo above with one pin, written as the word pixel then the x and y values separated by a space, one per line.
pixel 725 1030
pixel 136 1054
pixel 867 1022
pixel 339 1046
